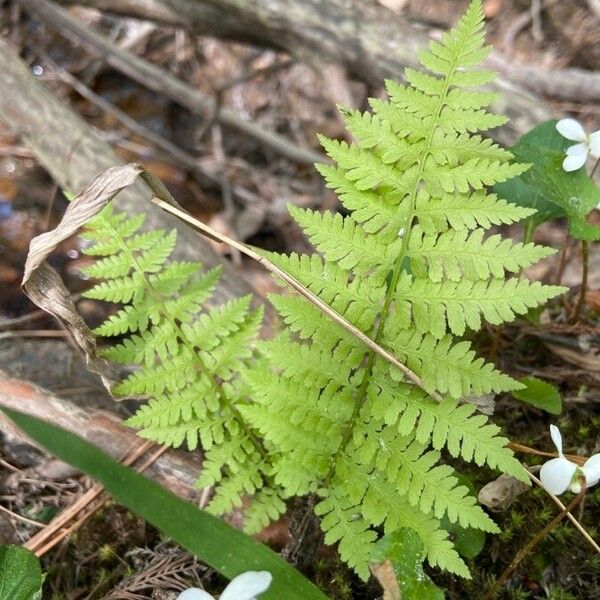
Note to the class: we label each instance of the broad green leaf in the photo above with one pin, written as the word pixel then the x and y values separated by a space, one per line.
pixel 404 549
pixel 20 574
pixel 540 394
pixel 224 548
pixel 547 187
pixel 468 542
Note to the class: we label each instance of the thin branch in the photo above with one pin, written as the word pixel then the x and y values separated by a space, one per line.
pixel 571 518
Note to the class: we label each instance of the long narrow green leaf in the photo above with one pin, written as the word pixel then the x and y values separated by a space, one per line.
pixel 224 548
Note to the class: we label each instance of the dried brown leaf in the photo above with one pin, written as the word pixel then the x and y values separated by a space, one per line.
pixel 384 572
pixel 44 285
pixel 499 494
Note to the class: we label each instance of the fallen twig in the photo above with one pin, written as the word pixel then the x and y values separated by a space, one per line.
pixel 175 470
pixel 296 285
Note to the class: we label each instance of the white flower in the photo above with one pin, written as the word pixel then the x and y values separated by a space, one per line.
pixel 243 587
pixel 578 153
pixel 560 474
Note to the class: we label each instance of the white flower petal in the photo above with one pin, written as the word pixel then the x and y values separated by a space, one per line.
pixel 578 149
pixel 594 144
pixel 591 470
pixel 556 475
pixel 556 437
pixel 571 129
pixel 194 594
pixel 574 160
pixel 247 585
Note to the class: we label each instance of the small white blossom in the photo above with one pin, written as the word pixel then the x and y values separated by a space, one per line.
pixel 578 153
pixel 243 587
pixel 560 474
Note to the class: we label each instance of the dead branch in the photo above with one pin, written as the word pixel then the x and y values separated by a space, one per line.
pixel 73 154
pixel 175 470
pixel 566 84
pixel 370 41
pixel 161 82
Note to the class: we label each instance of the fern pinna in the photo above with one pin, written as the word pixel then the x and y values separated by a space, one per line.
pixel 411 267
pixel 190 359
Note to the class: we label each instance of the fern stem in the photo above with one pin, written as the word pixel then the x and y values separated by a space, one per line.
pixel 224 400
pixel 585 258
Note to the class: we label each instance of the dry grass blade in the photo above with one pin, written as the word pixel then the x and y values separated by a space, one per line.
pixel 169 206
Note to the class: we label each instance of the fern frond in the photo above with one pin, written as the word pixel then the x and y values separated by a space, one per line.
pixel 313 410
pixel 267 506
pixel 411 265
pixel 457 254
pixel 431 487
pixel 344 525
pixel 436 307
pixel 189 360
pixel 373 211
pixel 343 242
pixel 467 211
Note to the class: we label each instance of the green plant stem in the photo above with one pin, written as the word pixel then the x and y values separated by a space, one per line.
pixel 193 352
pixel 563 260
pixel 594 169
pixel 528 547
pixel 529 231
pixel 585 258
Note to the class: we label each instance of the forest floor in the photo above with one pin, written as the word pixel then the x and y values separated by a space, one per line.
pixel 117 554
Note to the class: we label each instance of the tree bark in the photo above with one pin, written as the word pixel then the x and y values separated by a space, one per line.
pixel 69 149
pixel 371 42
pixel 175 470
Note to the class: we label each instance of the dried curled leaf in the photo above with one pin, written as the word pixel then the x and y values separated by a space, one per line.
pixel 499 494
pixel 44 285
